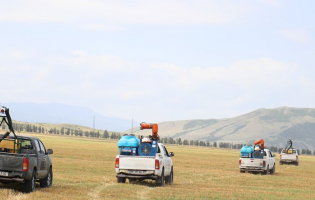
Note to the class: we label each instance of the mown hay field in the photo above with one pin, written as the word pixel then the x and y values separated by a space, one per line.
pixel 84 169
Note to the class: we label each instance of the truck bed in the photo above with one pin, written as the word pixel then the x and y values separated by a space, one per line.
pixel 137 162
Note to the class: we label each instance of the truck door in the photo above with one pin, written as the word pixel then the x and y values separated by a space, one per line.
pixel 167 161
pixel 41 159
pixel 271 163
pixel 45 158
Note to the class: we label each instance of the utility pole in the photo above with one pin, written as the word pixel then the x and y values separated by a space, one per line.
pixel 132 126
pixel 94 124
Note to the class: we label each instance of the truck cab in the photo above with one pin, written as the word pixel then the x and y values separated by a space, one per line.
pixel 263 162
pixel 158 167
pixel 290 156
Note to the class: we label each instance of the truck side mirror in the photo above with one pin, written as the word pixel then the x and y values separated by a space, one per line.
pixel 171 154
pixel 50 151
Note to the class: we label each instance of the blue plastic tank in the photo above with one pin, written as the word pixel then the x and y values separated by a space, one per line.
pixel 128 143
pixel 246 151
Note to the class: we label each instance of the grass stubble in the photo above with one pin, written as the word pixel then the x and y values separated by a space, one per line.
pixel 84 169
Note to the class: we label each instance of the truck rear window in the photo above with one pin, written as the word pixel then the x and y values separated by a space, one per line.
pixel 26 144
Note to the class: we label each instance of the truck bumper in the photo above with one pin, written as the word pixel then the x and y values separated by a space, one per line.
pixel 8 179
pixel 153 177
pixel 252 169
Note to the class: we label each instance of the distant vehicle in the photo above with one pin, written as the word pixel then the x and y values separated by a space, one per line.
pixel 289 155
pixel 148 160
pixel 23 159
pixel 257 159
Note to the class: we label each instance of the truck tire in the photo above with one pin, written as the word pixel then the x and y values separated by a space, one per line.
pixel 160 180
pixel 273 170
pixel 266 171
pixel 242 171
pixel 47 182
pixel 297 164
pixel 281 163
pixel 29 185
pixel 121 180
pixel 169 179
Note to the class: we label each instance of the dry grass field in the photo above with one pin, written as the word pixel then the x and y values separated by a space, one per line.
pixel 84 169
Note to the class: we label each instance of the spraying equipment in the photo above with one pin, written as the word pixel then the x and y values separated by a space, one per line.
pixel 129 144
pixel 12 145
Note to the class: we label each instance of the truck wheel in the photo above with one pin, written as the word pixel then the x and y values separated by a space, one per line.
pixel 242 171
pixel 121 180
pixel 266 171
pixel 160 180
pixel 29 185
pixel 272 171
pixel 297 164
pixel 169 179
pixel 47 182
pixel 281 163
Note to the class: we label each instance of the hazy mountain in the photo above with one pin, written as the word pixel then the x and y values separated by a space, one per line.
pixel 275 126
pixel 61 113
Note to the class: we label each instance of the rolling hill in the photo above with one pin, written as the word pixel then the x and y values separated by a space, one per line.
pixel 275 126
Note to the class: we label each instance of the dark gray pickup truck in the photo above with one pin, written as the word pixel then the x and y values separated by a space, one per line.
pixel 23 159
pixel 30 164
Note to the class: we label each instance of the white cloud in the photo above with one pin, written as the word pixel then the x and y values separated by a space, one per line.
pixel 105 15
pixel 116 88
pixel 297 35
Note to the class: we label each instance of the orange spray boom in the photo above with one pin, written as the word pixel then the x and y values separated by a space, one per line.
pixel 154 128
pixel 261 142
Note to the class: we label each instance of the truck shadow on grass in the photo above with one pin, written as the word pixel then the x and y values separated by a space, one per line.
pixel 16 187
pixel 147 183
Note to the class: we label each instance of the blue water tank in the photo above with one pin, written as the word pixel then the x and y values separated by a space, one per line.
pixel 246 151
pixel 129 144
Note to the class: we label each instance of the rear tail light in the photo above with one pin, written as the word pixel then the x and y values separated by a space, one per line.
pixel 264 163
pixel 157 164
pixel 25 164
pixel 297 156
pixel 280 156
pixel 117 163
pixel 239 162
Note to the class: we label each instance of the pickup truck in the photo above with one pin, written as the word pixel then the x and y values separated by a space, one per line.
pixel 30 163
pixel 262 161
pixel 289 156
pixel 158 167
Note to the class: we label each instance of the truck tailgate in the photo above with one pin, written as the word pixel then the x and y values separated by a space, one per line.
pixel 11 162
pixel 137 162
pixel 251 162
pixel 288 156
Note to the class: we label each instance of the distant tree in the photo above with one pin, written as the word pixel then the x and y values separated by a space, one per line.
pixel 303 151
pixel 208 144
pixel 215 144
pixel 314 153
pixel 43 130
pixel 80 133
pixel 179 141
pixel 196 142
pixel 86 134
pixel 71 131
pixel 191 142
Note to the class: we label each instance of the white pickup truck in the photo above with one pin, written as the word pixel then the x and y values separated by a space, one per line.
pixel 263 161
pixel 289 156
pixel 158 167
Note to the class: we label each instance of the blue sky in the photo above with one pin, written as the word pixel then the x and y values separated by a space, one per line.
pixel 159 60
